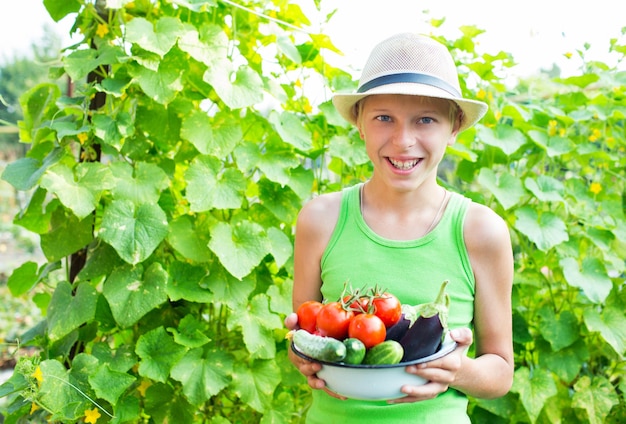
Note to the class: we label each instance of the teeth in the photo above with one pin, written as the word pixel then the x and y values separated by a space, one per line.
pixel 403 164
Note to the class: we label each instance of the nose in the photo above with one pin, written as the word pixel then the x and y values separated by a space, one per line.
pixel 403 136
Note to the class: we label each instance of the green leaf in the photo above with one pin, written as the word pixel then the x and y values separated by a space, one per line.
pixel 23 278
pixel 196 5
pixel 229 290
pixel 58 9
pixel 37 215
pixel 211 136
pixel 239 247
pixel 38 104
pixel 24 173
pixel 188 282
pixel 159 39
pixel 291 129
pixel 546 231
pixel 238 90
pixel 67 312
pixel 79 63
pixel 203 374
pixel 505 187
pixel 281 246
pixel 596 396
pixel 210 186
pixel 256 384
pixel 120 359
pixel 545 189
pixel 57 244
pixel 110 384
pixel 611 324
pixel 559 330
pixel 142 183
pixel 567 362
pixel 133 231
pixel 210 46
pixel 131 293
pixel 591 279
pixel 158 353
pixel 274 164
pixel 504 137
pixel 189 241
pixel 282 202
pixel 81 192
pixel 534 389
pixel 258 327
pixel 554 145
pixel 190 332
pixel 162 85
pixel 58 392
pixel 351 150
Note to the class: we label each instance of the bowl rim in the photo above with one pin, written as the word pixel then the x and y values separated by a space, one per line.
pixel 447 346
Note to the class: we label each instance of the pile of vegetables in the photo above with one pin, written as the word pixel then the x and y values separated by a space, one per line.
pixel 371 326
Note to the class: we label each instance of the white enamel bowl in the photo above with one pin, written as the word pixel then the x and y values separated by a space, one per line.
pixel 373 382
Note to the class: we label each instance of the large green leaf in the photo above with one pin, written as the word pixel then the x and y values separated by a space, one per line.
pixel 546 231
pixel 23 278
pixel 216 136
pixel 596 396
pixel 592 278
pixel 559 330
pixel 504 137
pixel 158 39
pixel 274 164
pixel 24 173
pixel 68 311
pixel 158 353
pixel 59 9
pixel 188 282
pixel 505 187
pixel 58 392
pixel 141 183
pixel 534 388
pixel 79 63
pixel 162 85
pixel 203 373
pixel 611 324
pixel 132 293
pixel 351 150
pixel 545 188
pixel 209 186
pixel 291 129
pixel 189 241
pixel 67 235
pixel 256 384
pixel 80 192
pixel 239 247
pixel 258 327
pixel 110 384
pixel 133 231
pixel 239 89
pixel 190 332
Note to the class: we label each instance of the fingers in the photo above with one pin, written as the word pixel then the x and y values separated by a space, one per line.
pixel 418 393
pixel 291 321
pixel 463 336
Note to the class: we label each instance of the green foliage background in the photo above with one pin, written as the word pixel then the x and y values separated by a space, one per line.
pixel 165 190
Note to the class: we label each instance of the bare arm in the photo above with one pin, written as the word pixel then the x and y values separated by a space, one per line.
pixel 490 374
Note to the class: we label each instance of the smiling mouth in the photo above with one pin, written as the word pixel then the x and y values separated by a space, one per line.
pixel 403 165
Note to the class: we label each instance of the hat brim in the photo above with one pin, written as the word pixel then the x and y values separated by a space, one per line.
pixel 473 110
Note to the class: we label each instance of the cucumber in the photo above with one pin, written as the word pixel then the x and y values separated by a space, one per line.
pixel 355 351
pixel 319 347
pixel 385 353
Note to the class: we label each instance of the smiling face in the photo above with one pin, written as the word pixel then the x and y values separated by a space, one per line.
pixel 406 136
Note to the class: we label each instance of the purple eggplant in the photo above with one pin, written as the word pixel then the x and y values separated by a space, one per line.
pixel 425 335
pixel 397 331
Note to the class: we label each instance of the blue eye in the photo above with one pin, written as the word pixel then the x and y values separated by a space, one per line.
pixel 384 118
pixel 426 120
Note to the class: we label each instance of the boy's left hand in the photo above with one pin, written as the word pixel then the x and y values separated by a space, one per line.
pixel 440 373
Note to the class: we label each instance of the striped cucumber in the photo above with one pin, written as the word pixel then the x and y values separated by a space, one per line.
pixel 386 353
pixel 319 347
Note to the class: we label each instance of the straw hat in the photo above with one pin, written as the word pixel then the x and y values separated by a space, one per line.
pixel 415 65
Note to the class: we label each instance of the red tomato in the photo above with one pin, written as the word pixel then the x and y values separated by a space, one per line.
pixel 307 315
pixel 333 320
pixel 388 308
pixel 368 328
pixel 358 305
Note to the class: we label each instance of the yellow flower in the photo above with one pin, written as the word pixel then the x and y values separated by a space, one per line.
pixel 595 135
pixel 498 115
pixel 102 30
pixel 595 188
pixel 38 375
pixel 562 132
pixel 143 387
pixel 481 94
pixel 568 55
pixel 552 127
pixel 33 408
pixel 92 415
pixel 82 137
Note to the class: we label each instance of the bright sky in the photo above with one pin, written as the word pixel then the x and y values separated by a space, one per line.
pixel 537 32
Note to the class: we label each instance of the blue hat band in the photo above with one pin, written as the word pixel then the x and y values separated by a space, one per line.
pixel 411 78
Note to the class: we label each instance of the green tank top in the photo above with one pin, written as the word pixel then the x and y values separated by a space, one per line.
pixel 413 270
